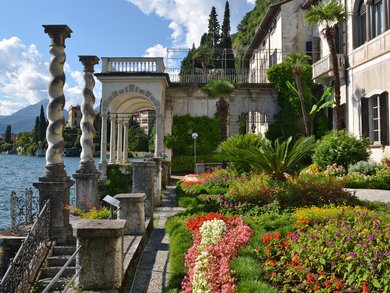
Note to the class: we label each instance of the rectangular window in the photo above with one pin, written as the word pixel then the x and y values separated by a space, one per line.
pixel 375 118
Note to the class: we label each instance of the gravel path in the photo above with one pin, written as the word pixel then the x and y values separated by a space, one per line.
pixel 152 272
pixel 372 194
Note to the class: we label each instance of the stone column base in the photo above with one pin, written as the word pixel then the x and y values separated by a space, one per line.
pixel 57 189
pixel 87 193
pixel 132 209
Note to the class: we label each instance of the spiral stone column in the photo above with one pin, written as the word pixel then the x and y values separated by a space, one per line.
pixel 55 183
pixel 86 176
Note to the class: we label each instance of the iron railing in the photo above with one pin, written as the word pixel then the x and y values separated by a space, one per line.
pixel 24 206
pixel 18 277
pixel 61 271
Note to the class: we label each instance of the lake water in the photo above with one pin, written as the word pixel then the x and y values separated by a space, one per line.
pixel 19 172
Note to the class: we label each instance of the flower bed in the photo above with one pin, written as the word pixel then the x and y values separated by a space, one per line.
pixel 341 254
pixel 217 240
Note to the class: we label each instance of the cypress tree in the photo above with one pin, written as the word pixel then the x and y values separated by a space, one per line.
pixel 214 28
pixel 42 125
pixel 36 129
pixel 226 41
pixel 8 134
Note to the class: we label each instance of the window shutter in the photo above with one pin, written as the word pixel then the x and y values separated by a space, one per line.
pixel 384 112
pixel 365 117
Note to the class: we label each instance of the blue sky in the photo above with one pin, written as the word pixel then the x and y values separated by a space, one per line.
pixel 105 28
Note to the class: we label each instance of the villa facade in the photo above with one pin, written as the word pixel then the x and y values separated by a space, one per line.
pixel 363 48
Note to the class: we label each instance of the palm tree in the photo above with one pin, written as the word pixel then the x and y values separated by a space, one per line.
pixel 297 61
pixel 262 155
pixel 328 16
pixel 220 89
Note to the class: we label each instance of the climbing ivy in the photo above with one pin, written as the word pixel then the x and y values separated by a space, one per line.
pixel 181 141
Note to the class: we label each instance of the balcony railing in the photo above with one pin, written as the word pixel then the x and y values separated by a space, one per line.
pixel 133 65
pixel 323 68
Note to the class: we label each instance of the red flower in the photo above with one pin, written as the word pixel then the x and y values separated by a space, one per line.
pixel 327 284
pixel 339 284
pixel 365 287
pixel 310 278
pixel 272 262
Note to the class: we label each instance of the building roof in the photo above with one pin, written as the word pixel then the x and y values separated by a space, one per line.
pixel 263 29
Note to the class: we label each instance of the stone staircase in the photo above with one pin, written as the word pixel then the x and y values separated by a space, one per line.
pixel 58 256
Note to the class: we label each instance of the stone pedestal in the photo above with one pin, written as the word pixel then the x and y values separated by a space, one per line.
pixel 101 254
pixel 87 195
pixel 143 182
pixel 157 183
pixel 132 209
pixel 57 189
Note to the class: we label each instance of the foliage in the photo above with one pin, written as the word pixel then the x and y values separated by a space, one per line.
pixel 286 120
pixel 381 180
pixel 272 158
pixel 181 142
pixel 42 125
pixel 119 180
pixel 4 146
pixel 179 242
pixel 347 253
pixel 93 214
pixel 338 147
pixel 138 141
pixel 255 189
pixel 240 142
pixel 335 170
pixel 364 167
pixel 314 190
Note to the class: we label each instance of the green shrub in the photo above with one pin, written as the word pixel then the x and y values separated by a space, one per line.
pixel 119 180
pixel 254 189
pixel 181 142
pixel 340 148
pixel 364 167
pixel 381 180
pixel 93 214
pixel 309 190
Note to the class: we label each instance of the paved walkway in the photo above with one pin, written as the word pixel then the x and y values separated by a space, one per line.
pixel 371 194
pixel 152 272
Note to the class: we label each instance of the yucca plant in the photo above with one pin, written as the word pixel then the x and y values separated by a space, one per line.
pixel 273 158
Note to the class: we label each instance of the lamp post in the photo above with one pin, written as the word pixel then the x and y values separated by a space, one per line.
pixel 194 137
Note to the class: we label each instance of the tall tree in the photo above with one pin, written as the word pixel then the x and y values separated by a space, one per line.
pixel 226 41
pixel 220 89
pixel 42 125
pixel 214 28
pixel 329 16
pixel 36 129
pixel 297 61
pixel 7 134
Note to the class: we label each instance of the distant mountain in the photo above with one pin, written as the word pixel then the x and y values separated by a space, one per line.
pixel 24 119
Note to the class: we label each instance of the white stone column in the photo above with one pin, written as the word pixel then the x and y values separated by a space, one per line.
pixel 112 139
pixel 103 148
pixel 125 157
pixel 159 143
pixel 119 142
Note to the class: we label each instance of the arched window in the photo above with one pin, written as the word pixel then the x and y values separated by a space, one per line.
pixel 361 32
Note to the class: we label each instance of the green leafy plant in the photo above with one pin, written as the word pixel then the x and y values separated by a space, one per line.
pixel 364 167
pixel 119 180
pixel 340 148
pixel 274 159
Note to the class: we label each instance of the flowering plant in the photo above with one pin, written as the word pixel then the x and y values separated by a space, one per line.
pixel 349 254
pixel 217 240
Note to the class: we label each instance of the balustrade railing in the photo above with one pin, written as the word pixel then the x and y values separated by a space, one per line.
pixel 24 206
pixel 133 65
pixel 18 277
pixel 204 75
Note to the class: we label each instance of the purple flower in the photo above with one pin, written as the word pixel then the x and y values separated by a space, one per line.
pixel 352 254
pixel 372 265
pixel 371 237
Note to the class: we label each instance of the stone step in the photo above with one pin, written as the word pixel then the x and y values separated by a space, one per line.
pixel 63 250
pixel 50 272
pixel 59 261
pixel 57 287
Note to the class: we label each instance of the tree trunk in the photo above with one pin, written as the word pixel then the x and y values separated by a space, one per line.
pixel 302 100
pixel 330 34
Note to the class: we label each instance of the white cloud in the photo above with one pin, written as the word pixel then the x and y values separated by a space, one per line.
pixel 24 77
pixel 189 18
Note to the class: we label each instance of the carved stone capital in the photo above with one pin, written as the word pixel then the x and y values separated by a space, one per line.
pixel 89 62
pixel 58 34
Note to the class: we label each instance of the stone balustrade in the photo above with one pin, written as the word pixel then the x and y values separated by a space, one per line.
pixel 132 209
pixel 134 65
